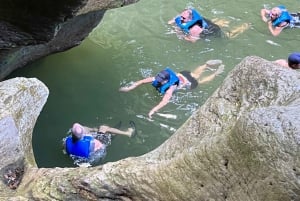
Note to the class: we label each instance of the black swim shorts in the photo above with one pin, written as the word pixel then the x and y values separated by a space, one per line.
pixel 190 78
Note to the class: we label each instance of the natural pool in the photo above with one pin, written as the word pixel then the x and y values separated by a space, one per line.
pixel 129 44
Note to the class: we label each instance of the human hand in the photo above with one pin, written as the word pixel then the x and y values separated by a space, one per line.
pixel 124 89
pixel 265 19
pixel 129 88
pixel 150 114
pixel 191 39
pixel 172 21
pixel 270 23
pixel 264 12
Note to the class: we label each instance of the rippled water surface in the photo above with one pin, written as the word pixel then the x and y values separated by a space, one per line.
pixel 134 42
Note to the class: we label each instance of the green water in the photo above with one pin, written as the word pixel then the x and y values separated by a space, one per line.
pixel 131 43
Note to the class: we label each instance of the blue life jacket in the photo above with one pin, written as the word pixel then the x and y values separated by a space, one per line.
pixel 196 18
pixel 79 148
pixel 171 80
pixel 284 17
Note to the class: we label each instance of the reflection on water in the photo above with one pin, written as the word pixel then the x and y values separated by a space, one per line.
pixel 132 43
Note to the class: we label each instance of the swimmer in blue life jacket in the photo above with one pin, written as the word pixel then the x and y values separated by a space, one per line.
pixel 82 143
pixel 279 18
pixel 167 81
pixel 194 25
pixel 293 61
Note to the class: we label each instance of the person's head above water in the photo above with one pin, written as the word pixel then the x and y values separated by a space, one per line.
pixel 77 130
pixel 162 76
pixel 275 13
pixel 294 60
pixel 186 15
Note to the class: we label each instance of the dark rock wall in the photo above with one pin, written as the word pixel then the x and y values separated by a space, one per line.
pixel 33 21
pixel 33 29
pixel 67 35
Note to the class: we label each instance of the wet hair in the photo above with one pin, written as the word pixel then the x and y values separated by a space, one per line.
pixel 75 138
pixel 189 12
pixel 76 132
pixel 277 11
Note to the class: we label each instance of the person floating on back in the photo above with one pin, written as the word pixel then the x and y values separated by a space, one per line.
pixel 292 62
pixel 278 18
pixel 193 25
pixel 167 81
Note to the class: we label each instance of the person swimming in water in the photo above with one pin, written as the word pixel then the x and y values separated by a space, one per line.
pixel 194 25
pixel 278 18
pixel 167 81
pixel 293 61
pixel 83 141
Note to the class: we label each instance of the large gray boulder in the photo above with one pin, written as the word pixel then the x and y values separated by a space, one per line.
pixel 21 102
pixel 242 144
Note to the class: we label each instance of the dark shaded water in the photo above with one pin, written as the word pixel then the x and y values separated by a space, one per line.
pixel 129 44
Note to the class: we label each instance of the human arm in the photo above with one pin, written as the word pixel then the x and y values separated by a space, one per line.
pixel 107 129
pixel 191 38
pixel 282 62
pixel 264 13
pixel 194 35
pixel 275 31
pixel 88 130
pixel 164 101
pixel 172 21
pixel 136 84
pixel 184 26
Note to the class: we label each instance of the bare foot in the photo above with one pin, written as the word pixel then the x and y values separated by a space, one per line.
pixel 132 129
pixel 214 63
pixel 130 132
pixel 220 70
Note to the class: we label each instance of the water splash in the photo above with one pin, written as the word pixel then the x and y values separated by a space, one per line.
pixel 96 156
pixel 168 116
pixel 167 127
pixel 273 43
